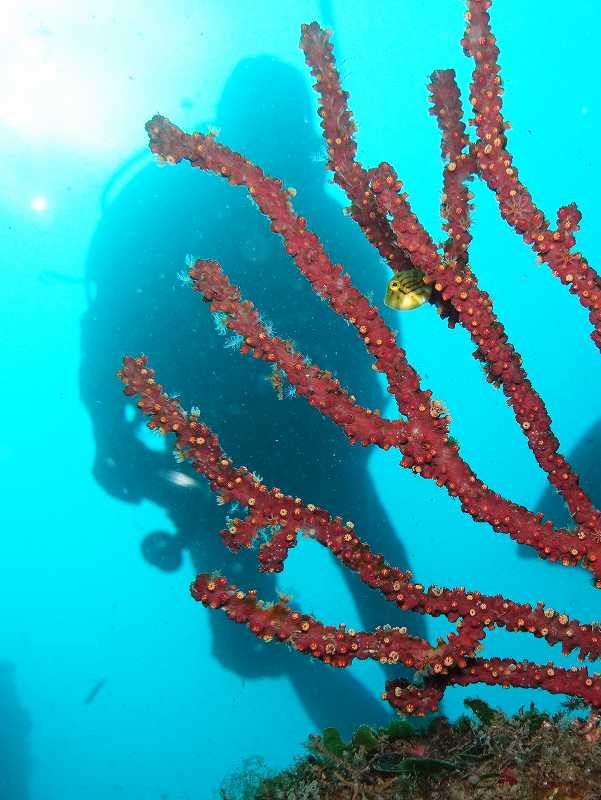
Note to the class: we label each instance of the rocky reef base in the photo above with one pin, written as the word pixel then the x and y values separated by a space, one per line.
pixel 485 755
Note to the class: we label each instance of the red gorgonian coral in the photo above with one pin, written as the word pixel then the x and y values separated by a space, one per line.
pixel 420 433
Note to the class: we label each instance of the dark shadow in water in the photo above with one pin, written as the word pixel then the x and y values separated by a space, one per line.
pixel 15 761
pixel 138 305
pixel 586 460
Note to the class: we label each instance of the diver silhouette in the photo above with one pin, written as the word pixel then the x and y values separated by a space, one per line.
pixel 137 304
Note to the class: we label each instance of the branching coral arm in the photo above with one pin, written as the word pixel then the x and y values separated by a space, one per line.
pixel 496 167
pixel 338 131
pixel 289 516
pixel 320 388
pixel 459 165
pixel 450 275
pixel 504 364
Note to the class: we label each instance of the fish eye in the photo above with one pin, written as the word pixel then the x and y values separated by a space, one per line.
pixel 394 285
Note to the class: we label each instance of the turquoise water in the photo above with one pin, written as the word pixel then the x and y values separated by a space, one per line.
pixel 113 682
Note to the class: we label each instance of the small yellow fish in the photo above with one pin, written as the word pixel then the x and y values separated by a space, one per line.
pixel 407 290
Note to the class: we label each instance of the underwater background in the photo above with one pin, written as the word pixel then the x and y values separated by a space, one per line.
pixel 113 682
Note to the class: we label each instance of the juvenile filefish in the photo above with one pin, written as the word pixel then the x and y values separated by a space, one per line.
pixel 407 290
